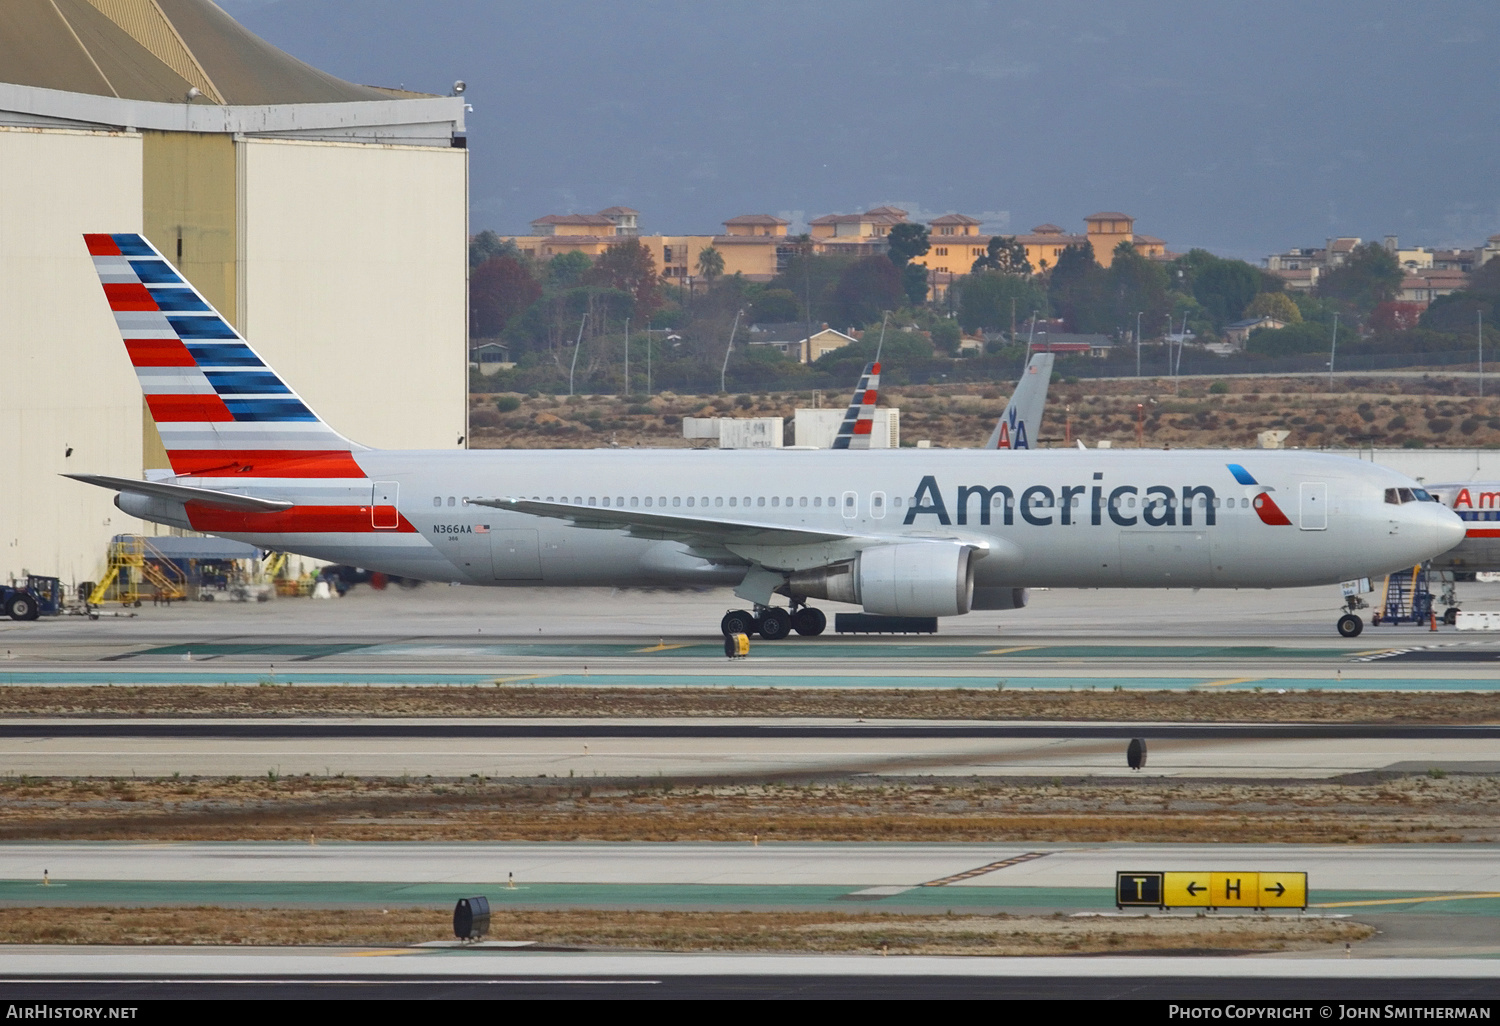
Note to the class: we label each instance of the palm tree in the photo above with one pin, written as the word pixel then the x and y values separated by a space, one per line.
pixel 710 263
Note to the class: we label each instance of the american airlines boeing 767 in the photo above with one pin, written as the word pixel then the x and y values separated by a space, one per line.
pixel 906 532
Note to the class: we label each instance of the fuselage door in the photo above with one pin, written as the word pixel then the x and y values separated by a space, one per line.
pixel 383 513
pixel 1314 506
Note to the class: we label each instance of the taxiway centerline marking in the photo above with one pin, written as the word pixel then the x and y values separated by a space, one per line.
pixel 1402 901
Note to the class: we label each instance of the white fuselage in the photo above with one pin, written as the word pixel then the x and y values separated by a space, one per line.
pixel 1073 519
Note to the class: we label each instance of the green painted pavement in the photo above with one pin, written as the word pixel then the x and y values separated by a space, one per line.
pixel 987 682
pixel 145 893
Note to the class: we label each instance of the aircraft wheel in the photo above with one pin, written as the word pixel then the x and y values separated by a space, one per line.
pixel 809 622
pixel 775 623
pixel 1351 626
pixel 737 621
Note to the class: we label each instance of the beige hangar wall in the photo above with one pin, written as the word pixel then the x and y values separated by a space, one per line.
pixel 353 264
pixel 65 379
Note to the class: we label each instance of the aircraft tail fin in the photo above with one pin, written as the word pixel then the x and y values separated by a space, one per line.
pixel 220 409
pixel 859 418
pixel 1022 420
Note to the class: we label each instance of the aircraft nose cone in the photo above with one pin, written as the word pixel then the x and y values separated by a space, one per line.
pixel 1439 525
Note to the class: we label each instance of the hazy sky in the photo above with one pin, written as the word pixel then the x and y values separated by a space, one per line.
pixel 1244 128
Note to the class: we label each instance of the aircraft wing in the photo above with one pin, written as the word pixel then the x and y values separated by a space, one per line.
pixel 185 493
pixel 651 524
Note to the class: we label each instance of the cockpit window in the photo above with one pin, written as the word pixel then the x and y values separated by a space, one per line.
pixel 1423 495
pixel 1407 496
pixel 1391 498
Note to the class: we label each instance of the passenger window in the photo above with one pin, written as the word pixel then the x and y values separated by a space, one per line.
pixel 1130 501
pixel 802 501
pixel 703 501
pixel 437 500
pixel 817 500
pixel 831 502
pixel 747 501
pixel 593 501
pixel 620 501
pixel 636 501
pixel 1076 501
pixel 733 500
pixel 549 498
pixel 661 500
pixel 896 502
pixel 776 500
pixel 761 501
pixel 718 500
pixel 450 500
pixel 676 500
pixel 648 502
pixel 690 500
pixel 578 500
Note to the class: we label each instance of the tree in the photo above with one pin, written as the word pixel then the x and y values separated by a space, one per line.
pixel 1224 287
pixel 1136 285
pixel 987 300
pixel 710 263
pixel 499 289
pixel 1274 304
pixel 566 269
pixel 914 284
pixel 905 242
pixel 866 289
pixel 946 336
pixel 812 278
pixel 1293 340
pixel 1006 255
pixel 487 244
pixel 1368 277
pixel 1078 290
pixel 775 306
pixel 629 267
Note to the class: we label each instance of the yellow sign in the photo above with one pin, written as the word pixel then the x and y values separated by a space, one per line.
pixel 1283 890
pixel 1186 890
pixel 1231 890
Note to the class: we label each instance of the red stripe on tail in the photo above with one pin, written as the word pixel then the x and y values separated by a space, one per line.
pixel 158 352
pixel 168 409
pixel 128 296
pixel 264 463
pixel 101 245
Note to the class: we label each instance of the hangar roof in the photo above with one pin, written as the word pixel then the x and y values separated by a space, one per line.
pixel 157 50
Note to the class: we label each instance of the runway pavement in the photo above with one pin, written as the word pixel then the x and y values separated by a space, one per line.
pixel 705 749
pixel 441 635
pixel 90 974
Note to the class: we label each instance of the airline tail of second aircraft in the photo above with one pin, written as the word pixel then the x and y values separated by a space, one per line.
pixel 220 409
pixel 1022 420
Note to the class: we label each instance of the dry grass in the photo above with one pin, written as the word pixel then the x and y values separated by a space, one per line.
pixel 513 701
pixel 685 931
pixel 1411 809
pixel 1432 411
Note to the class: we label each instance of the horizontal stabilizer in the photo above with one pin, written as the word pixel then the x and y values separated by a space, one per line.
pixel 184 493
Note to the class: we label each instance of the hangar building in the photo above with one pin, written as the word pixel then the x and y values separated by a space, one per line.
pixel 327 220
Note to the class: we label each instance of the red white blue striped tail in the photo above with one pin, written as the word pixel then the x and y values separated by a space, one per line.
pixel 220 410
pixel 859 419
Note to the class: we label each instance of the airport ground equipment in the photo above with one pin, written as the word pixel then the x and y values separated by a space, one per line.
pixel 134 562
pixel 39 596
pixel 471 918
pixel 1405 599
pixel 1210 890
pixel 736 646
pixel 1135 754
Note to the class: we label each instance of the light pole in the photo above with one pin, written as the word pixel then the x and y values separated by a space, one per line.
pixel 627 356
pixel 574 365
pixel 729 349
pixel 1480 315
pixel 1138 343
pixel 1333 350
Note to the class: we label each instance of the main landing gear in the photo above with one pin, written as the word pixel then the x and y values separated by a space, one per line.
pixel 1351 626
pixel 774 622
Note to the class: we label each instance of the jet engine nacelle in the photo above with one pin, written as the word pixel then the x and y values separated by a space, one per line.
pixel 920 579
pixel 1001 598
